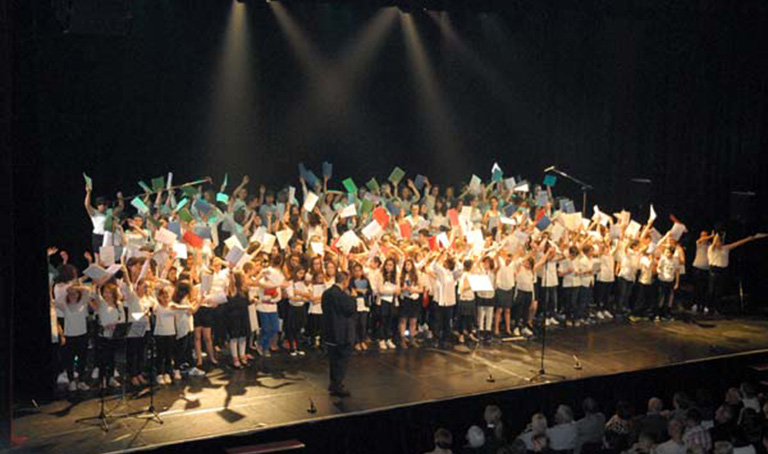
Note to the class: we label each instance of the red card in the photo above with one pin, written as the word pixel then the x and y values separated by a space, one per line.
pixel 433 243
pixel 192 239
pixel 454 216
pixel 405 229
pixel 381 216
pixel 540 214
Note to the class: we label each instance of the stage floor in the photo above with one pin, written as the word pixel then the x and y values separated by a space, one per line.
pixel 278 391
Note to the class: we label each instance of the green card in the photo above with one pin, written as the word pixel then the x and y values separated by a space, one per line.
pixel 372 184
pixel 108 221
pixel 350 186
pixel 140 205
pixel 185 215
pixel 158 184
pixel 88 181
pixel 223 198
pixel 189 191
pixel 154 221
pixel 145 187
pixel 367 206
pixel 182 204
pixel 396 175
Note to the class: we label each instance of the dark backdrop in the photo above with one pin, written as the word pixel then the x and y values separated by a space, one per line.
pixel 673 93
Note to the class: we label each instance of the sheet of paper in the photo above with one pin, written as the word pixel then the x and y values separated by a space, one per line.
pixel 181 250
pixel 443 240
pixel 506 220
pixel 233 242
pixel 557 232
pixel 572 221
pixel 317 247
pixel 466 212
pixel 475 184
pixel 258 235
pixel 206 281
pixel 268 243
pixel 140 206
pixel 107 255
pixel 283 237
pixel 88 181
pixel 372 230
pixel 234 255
pixel 165 236
pixel 633 228
pixel 652 214
pixel 677 231
pixel 291 194
pixel 310 201
pixel 510 183
pixel 95 272
pixel 347 241
pixel 480 283
pixel 522 188
pixel 348 211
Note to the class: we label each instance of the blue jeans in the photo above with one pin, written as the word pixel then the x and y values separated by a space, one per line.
pixel 270 325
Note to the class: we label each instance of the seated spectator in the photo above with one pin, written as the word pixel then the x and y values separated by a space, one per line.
pixel 749 397
pixel 614 443
pixel 591 427
pixel 733 398
pixel 681 403
pixel 725 424
pixel 675 444
pixel 541 444
pixel 562 436
pixel 495 433
pixel 475 441
pixel 723 447
pixel 705 404
pixel 621 425
pixel 653 422
pixel 537 426
pixel 695 435
pixel 443 442
pixel 749 430
pixel 644 445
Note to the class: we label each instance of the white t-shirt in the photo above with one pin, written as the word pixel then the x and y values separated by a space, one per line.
pixel 446 288
pixel 184 321
pixel 165 325
pixel 273 279
pixel 718 256
pixel 524 279
pixel 666 268
pixel 586 265
pixel 701 261
pixel 549 274
pixel 628 267
pixel 75 315
pixel 465 291
pixel 505 275
pixel 134 304
pixel 607 265
pixel 98 220
pixel 110 315
pixel 317 291
pixel 293 289
pixel 568 268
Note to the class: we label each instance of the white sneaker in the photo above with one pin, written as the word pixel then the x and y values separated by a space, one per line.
pixel 695 308
pixel 160 379
pixel 516 332
pixel 608 314
pixel 176 374
pixel 600 315
pixel 115 373
pixel 167 379
pixel 82 386
pixel 577 323
pixel 706 310
pixel 113 383
pixel 301 352
pixel 554 321
pixel 195 372
pixel 527 332
pixel 548 322
pixel 382 345
pixel 72 386
pixel 391 344
pixel 95 373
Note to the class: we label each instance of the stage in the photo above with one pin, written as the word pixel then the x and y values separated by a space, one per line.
pixel 278 392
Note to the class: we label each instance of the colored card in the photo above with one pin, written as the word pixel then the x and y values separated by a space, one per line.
pixel 312 179
pixel 158 184
pixel 350 186
pixel 496 174
pixel 192 239
pixel 453 215
pixel 145 187
pixel 396 175
pixel 327 170
pixel 202 206
pixel 405 229
pixel 372 184
pixel 175 228
pixel 541 199
pixel 381 216
pixel 108 221
pixel 222 198
pixel 550 180
pixel 420 181
pixel 392 208
pixel 185 215
pixel 140 205
pixel 543 223
pixel 88 181
pixel 189 191
pixel 182 204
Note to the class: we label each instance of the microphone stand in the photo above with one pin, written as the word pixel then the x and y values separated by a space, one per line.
pixel 542 374
pixel 584 186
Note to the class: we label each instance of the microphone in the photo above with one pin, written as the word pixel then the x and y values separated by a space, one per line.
pixel 549 169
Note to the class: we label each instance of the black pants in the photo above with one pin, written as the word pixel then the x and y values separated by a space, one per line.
pixel 570 300
pixel 135 360
pixel 547 301
pixel 383 320
pixel 77 346
pixel 107 348
pixel 602 295
pixel 666 298
pixel 700 278
pixel 442 325
pixel 338 357
pixel 715 287
pixel 625 292
pixel 295 320
pixel 182 353
pixel 361 326
pixel 164 345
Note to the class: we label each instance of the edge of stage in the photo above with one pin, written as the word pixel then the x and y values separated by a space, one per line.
pixel 400 397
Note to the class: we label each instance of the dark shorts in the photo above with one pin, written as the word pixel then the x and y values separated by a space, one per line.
pixel 504 298
pixel 409 308
pixel 205 317
pixel 96 241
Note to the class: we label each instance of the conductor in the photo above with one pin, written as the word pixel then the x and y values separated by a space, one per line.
pixel 338 329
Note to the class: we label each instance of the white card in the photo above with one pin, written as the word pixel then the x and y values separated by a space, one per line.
pixel 310 201
pixel 165 236
pixel 283 237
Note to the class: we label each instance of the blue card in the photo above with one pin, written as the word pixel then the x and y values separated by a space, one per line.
pixel 550 180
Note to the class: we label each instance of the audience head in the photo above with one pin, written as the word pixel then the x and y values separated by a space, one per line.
pixel 675 429
pixel 747 390
pixel 516 447
pixel 655 405
pixel 733 396
pixel 624 410
pixel 681 401
pixel 540 442
pixel 692 417
pixel 492 415
pixel 475 437
pixel 563 415
pixel 589 405
pixel 538 423
pixel 724 414
pixel 443 438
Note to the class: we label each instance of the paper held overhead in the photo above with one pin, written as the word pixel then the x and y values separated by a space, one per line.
pixel 310 201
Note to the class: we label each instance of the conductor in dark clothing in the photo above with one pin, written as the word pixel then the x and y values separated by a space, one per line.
pixel 338 331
